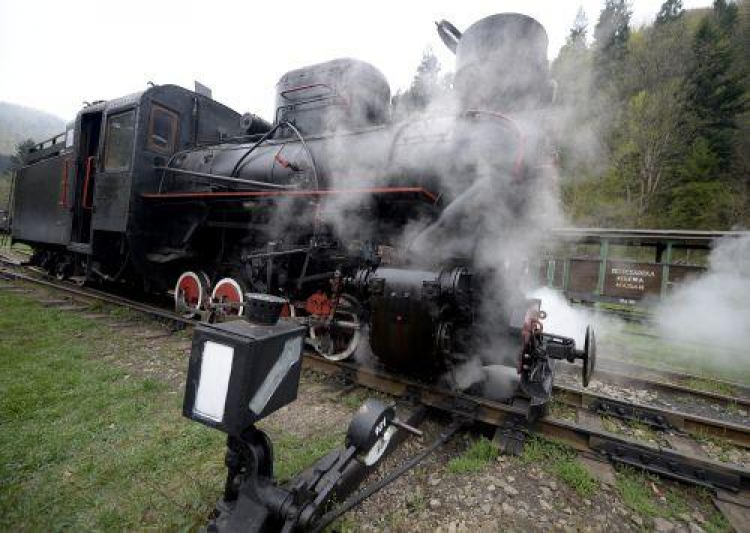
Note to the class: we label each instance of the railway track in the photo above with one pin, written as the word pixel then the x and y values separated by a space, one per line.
pixel 668 381
pixel 680 457
pixel 660 419
pixel 609 370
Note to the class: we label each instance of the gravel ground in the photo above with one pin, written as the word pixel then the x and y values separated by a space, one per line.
pixel 506 494
pixel 684 403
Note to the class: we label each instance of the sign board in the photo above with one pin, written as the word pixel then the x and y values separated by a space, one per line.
pixel 632 280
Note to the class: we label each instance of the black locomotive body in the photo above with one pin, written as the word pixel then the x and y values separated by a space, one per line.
pixel 412 233
pixel 78 201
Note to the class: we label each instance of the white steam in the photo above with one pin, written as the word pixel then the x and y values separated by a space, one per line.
pixel 568 321
pixel 714 309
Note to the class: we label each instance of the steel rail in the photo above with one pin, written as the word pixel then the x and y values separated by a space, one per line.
pixel 656 375
pixel 571 396
pixel 725 400
pixel 94 294
pixel 672 463
pixel 640 380
pixel 612 370
pixel 487 411
pixel 656 417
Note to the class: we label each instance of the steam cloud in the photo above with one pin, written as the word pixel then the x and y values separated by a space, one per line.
pixel 714 309
pixel 710 312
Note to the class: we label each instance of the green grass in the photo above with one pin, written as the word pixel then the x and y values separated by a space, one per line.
pixel 416 502
pixel 633 346
pixel 722 446
pixel 559 410
pixel 87 446
pixel 355 398
pixel 561 461
pixel 82 447
pixel 709 385
pixel 344 524
pixel 125 313
pixel 637 493
pixel 293 454
pixel 475 458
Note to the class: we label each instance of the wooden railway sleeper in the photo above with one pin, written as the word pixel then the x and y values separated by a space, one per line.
pixel 511 436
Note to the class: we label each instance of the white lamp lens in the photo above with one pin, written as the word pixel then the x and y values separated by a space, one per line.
pixel 216 368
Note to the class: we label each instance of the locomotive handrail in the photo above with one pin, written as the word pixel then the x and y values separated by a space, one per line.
pixel 310 86
pixel 86 180
pixel 52 141
pixel 432 197
pixel 334 94
pixel 218 177
pixel 239 164
pixel 63 200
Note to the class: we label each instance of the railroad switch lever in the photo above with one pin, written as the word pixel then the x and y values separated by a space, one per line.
pixel 254 501
pixel 406 427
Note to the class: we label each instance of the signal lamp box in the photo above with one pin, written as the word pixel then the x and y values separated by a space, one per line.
pixel 240 372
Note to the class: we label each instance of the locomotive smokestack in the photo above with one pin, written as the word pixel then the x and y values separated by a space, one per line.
pixel 501 64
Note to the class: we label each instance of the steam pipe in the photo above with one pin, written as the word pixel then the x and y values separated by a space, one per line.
pixel 316 218
pixel 520 148
pixel 239 164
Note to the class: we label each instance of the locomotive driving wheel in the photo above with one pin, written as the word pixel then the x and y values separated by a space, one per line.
pixel 336 334
pixel 191 293
pixel 228 297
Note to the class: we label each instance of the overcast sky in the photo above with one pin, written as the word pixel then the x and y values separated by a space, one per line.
pixel 55 54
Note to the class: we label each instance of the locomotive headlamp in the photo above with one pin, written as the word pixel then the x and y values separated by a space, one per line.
pixel 241 372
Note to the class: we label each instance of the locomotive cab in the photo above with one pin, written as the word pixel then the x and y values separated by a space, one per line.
pixel 77 201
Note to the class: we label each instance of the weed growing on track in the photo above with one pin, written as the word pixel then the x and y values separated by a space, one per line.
pixel 562 461
pixel 645 495
pixel 709 385
pixel 475 458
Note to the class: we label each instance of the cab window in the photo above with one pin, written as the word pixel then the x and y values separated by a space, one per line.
pixel 162 130
pixel 118 151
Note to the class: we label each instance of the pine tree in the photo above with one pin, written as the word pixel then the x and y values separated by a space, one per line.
pixel 611 33
pixel 20 158
pixel 715 91
pixel 579 31
pixel 726 15
pixel 572 67
pixel 425 87
pixel 671 10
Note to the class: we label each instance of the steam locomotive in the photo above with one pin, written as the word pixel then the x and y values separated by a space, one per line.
pixel 399 240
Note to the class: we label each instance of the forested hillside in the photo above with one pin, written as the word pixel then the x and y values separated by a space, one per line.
pixel 656 126
pixel 652 124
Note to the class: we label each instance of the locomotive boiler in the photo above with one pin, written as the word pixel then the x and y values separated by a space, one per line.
pixel 399 242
